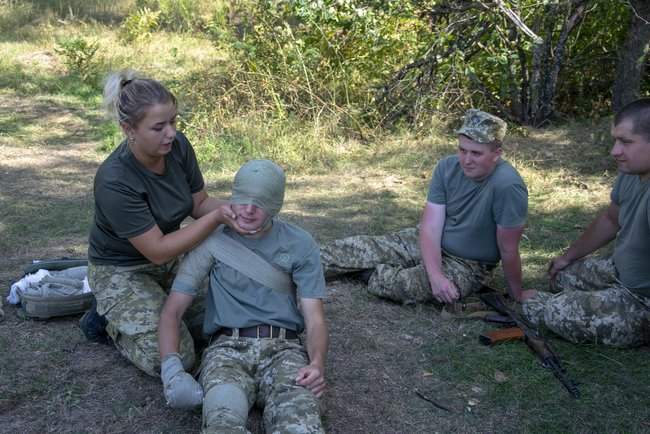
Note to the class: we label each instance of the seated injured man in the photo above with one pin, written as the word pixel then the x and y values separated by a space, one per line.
pixel 264 290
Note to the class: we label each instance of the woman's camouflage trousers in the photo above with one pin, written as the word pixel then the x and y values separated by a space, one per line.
pixel 132 298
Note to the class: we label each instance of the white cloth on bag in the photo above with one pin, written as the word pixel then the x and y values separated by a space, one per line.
pixel 44 283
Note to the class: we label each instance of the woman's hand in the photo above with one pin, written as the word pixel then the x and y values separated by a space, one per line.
pixel 227 216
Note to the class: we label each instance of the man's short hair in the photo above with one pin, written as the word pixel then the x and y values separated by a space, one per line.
pixel 639 113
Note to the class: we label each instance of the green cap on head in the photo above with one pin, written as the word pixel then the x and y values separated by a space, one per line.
pixel 260 183
pixel 483 127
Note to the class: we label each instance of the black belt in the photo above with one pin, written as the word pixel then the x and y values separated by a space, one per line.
pixel 260 331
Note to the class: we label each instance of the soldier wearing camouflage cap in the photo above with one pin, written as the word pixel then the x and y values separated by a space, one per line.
pixel 255 355
pixel 473 219
pixel 606 300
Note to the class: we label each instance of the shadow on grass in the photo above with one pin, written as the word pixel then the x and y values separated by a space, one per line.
pixel 23 21
pixel 36 103
pixel 27 82
pixel 578 148
pixel 329 216
pixel 40 205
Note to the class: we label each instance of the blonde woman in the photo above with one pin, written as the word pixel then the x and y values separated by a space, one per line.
pixel 143 191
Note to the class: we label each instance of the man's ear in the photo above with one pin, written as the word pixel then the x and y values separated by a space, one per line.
pixel 498 151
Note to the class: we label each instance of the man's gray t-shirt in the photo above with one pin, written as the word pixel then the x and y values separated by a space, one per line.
pixel 130 200
pixel 235 300
pixel 473 209
pixel 632 251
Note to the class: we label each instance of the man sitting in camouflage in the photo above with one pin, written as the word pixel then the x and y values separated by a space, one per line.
pixel 474 217
pixel 255 355
pixel 607 300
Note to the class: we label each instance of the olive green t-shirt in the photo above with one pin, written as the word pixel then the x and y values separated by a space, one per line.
pixel 235 300
pixel 473 209
pixel 632 251
pixel 130 200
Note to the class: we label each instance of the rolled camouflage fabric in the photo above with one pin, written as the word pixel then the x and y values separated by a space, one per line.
pixel 482 127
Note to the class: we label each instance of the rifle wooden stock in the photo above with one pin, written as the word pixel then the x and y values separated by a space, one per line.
pixel 501 335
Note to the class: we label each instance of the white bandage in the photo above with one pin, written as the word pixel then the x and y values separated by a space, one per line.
pixel 180 388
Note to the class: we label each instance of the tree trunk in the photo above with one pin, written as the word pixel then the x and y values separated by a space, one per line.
pixel 631 56
pixel 548 59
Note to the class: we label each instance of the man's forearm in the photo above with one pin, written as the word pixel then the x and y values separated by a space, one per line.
pixel 317 344
pixel 511 264
pixel 169 326
pixel 207 205
pixel 431 256
pixel 508 243
pixel 168 336
pixel 600 232
pixel 432 224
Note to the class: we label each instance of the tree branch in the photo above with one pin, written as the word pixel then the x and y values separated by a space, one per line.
pixel 636 13
pixel 512 16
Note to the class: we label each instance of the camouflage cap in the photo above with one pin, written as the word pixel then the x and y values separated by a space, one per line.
pixel 482 127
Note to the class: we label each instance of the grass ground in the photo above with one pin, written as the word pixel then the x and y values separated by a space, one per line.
pixel 52 380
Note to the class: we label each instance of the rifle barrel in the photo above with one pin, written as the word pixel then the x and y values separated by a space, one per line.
pixel 534 341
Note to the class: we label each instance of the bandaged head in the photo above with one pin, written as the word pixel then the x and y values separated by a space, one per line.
pixel 260 183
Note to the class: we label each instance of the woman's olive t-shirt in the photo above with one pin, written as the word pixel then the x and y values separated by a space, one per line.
pixel 130 200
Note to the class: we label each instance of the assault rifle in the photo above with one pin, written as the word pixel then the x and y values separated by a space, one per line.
pixel 530 335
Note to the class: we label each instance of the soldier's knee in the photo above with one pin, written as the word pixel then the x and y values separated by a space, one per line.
pixel 225 402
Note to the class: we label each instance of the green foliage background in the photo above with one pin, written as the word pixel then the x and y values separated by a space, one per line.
pixel 322 70
pixel 303 82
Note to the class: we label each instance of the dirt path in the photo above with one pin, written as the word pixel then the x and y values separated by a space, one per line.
pixel 52 380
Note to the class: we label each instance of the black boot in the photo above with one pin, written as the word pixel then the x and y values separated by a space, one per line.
pixel 93 326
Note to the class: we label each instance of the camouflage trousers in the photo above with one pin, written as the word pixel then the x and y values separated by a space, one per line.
pixel 399 274
pixel 132 298
pixel 592 307
pixel 265 370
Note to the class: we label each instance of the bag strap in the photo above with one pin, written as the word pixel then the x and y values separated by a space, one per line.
pixel 234 254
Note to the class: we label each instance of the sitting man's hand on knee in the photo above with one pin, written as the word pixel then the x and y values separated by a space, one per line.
pixel 180 388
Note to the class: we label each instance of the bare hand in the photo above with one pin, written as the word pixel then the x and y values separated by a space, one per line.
pixel 558 263
pixel 444 290
pixel 311 377
pixel 228 217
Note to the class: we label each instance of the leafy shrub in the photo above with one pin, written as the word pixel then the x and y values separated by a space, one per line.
pixel 139 25
pixel 178 15
pixel 79 56
pixel 316 59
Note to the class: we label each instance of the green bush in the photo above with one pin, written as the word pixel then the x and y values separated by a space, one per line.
pixel 316 59
pixel 79 56
pixel 139 25
pixel 178 15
